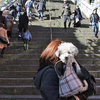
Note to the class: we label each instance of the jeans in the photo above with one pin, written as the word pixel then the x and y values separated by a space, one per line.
pixel 18 14
pixel 40 13
pixel 65 19
pixel 29 11
pixel 95 25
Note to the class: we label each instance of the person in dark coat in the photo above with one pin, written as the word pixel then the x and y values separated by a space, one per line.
pixel 46 79
pixel 3 20
pixel 77 16
pixel 41 8
pixel 23 23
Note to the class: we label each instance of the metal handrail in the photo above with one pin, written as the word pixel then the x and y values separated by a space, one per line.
pixel 50 14
pixel 50 23
pixel 9 5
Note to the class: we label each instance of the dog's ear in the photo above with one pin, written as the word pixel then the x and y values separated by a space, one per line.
pixel 57 53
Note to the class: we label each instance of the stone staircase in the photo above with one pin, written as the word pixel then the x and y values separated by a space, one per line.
pixel 18 67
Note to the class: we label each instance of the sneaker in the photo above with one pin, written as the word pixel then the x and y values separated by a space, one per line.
pixel 24 47
pixel 96 36
pixel 41 19
pixel 19 35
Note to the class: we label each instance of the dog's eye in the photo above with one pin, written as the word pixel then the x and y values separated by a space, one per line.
pixel 68 52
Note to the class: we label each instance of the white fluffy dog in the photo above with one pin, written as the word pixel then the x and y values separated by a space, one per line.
pixel 65 50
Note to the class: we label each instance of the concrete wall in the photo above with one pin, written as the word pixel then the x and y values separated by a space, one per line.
pixel 86 8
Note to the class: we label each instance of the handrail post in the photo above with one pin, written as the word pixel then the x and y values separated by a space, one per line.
pixel 50 23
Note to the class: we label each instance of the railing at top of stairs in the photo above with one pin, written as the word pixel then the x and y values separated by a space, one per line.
pixel 10 4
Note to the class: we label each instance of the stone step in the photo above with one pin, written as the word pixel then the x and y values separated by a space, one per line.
pixel 5 65
pixel 26 81
pixel 17 74
pixel 19 67
pixel 30 74
pixel 44 30
pixel 19 90
pixel 67 32
pixel 16 81
pixel 62 37
pixel 34 55
pixel 20 50
pixel 32 45
pixel 20 97
pixel 35 97
pixel 47 41
pixel 26 61
pixel 24 90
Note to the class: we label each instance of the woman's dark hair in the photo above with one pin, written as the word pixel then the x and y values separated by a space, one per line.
pixel 48 55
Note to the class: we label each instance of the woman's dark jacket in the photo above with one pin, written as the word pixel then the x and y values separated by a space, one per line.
pixel 94 18
pixel 23 21
pixel 4 21
pixel 78 14
pixel 48 84
pixel 41 6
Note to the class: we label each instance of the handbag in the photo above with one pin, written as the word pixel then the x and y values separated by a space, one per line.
pixel 3 40
pixel 69 83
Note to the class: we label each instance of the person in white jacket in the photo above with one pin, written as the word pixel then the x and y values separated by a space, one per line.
pixel 29 5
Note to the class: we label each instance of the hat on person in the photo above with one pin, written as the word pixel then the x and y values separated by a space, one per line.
pixel 65 0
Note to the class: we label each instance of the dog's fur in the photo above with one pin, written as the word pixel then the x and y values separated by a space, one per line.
pixel 65 50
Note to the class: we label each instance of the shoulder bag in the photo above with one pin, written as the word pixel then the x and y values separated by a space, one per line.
pixel 69 82
pixel 3 40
